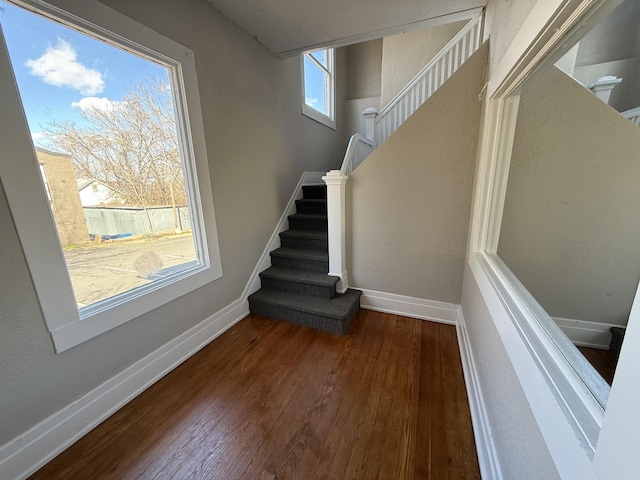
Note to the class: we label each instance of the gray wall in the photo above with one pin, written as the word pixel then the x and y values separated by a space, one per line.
pixel 523 454
pixel 409 201
pixel 612 47
pixel 570 229
pixel 364 69
pixel 258 143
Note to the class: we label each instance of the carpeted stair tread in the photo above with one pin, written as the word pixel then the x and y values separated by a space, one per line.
pixel 314 191
pixel 306 239
pixel 316 255
pixel 311 205
pixel 301 276
pixel 307 234
pixel 308 216
pixel 339 307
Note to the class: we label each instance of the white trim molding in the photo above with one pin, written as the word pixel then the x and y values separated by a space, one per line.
pixel 485 448
pixel 28 452
pixel 586 334
pixel 422 309
pixel 25 454
pixel 307 178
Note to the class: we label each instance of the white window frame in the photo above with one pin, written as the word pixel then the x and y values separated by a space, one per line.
pixel 330 88
pixel 584 440
pixel 28 201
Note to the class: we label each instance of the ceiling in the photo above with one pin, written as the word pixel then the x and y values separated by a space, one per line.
pixel 288 27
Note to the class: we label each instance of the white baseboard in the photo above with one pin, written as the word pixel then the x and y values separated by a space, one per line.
pixel 409 306
pixel 307 178
pixel 25 454
pixel 485 448
pixel 586 334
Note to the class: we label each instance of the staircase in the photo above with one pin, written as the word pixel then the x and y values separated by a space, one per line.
pixel 297 288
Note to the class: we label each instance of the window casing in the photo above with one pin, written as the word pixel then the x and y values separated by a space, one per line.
pixel 318 95
pixel 28 200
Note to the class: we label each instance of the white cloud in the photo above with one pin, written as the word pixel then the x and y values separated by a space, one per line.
pixel 59 66
pixel 101 104
pixel 38 136
pixel 312 102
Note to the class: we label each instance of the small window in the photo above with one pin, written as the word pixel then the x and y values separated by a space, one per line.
pixel 319 86
pixel 117 104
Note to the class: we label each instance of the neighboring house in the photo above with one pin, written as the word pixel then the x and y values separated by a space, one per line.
pixel 259 144
pixel 94 193
pixel 60 185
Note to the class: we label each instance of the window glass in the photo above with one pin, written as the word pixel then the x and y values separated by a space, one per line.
pixel 315 88
pixel 318 101
pixel 103 118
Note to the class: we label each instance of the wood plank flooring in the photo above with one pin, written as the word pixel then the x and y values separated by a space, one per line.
pixel 603 361
pixel 270 400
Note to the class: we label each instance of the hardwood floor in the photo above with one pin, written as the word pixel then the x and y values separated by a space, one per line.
pixel 270 400
pixel 602 360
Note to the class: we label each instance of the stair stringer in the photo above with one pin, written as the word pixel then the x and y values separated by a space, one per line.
pixel 264 262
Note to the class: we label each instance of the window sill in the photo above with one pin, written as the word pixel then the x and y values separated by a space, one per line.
pixel 314 114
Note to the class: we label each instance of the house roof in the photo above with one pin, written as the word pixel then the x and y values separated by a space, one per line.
pixel 287 27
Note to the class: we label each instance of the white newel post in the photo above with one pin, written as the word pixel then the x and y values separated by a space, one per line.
pixel 370 115
pixel 336 183
pixel 603 86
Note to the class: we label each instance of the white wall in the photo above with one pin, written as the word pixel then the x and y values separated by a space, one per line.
pixel 258 143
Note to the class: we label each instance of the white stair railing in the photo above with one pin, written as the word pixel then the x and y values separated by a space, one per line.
pixel 414 94
pixel 633 115
pixel 358 149
pixel 428 79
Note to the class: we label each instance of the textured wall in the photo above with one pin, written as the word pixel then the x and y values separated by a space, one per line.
pixel 258 144
pixel 503 20
pixel 409 201
pixel 517 438
pixel 405 54
pixel 570 228
pixel 522 450
pixel 364 69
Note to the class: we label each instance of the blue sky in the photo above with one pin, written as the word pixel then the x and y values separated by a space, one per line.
pixel 58 70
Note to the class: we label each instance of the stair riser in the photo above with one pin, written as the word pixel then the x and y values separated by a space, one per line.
pixel 308 224
pixel 301 288
pixel 312 191
pixel 319 322
pixel 307 207
pixel 320 244
pixel 296 264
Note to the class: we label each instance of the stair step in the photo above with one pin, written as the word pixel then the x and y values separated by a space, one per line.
pixel 304 239
pixel 308 221
pixel 310 260
pixel 312 205
pixel 314 191
pixel 332 316
pixel 299 281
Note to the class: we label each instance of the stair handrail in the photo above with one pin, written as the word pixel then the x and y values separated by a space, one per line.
pixel 633 115
pixel 358 149
pixel 428 79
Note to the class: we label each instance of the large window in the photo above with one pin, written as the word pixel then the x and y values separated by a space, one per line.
pixel 117 222
pixel 319 86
